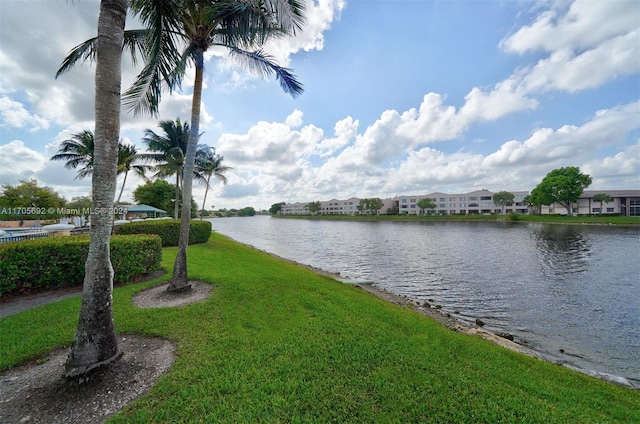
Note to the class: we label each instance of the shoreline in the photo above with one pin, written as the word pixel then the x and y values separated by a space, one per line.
pixel 447 320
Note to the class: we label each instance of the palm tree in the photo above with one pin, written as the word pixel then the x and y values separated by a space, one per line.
pixel 201 24
pixel 168 152
pixel 78 152
pixel 239 26
pixel 128 157
pixel 209 164
pixel 95 343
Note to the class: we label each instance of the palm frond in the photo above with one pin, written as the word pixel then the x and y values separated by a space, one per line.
pixel 81 52
pixel 161 18
pixel 263 64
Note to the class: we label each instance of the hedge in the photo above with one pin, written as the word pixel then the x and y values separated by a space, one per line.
pixel 168 230
pixel 54 262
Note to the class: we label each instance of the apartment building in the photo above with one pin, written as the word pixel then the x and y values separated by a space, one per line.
pixel 473 203
pixel 624 202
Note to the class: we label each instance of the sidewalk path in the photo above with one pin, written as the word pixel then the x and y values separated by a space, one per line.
pixel 21 303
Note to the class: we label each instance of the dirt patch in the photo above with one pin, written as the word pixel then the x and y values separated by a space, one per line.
pixel 159 297
pixel 37 392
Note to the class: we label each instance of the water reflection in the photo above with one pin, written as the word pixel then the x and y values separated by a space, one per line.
pixel 563 250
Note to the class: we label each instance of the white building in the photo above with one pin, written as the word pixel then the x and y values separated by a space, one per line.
pixel 624 202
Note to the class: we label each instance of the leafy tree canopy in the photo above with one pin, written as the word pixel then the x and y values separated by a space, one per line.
pixel 276 208
pixel 248 211
pixel 563 186
pixel 314 207
pixel 426 203
pixel 159 194
pixel 30 194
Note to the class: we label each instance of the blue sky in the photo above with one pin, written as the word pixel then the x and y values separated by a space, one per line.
pixel 401 97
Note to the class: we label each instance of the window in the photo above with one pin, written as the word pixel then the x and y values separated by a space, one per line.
pixel 452 205
pixel 462 199
pixel 404 200
pixel 452 199
pixel 610 210
pixel 442 199
pixel 463 205
pixel 441 205
pixel 413 200
pixel 473 198
pixel 485 197
pixel 595 210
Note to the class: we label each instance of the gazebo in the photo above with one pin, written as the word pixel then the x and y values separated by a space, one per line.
pixel 145 209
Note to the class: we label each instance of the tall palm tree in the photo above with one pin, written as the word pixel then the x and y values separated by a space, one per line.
pixel 199 25
pixel 241 26
pixel 78 151
pixel 168 152
pixel 209 164
pixel 95 343
pixel 128 158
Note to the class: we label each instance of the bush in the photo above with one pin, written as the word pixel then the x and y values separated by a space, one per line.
pixel 514 216
pixel 168 230
pixel 54 262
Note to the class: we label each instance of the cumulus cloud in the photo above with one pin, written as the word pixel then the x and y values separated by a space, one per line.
pixel 589 43
pixel 608 127
pixel 14 114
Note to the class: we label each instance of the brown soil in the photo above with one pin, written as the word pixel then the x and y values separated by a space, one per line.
pixel 38 393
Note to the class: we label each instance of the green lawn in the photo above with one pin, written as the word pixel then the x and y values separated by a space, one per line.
pixel 279 343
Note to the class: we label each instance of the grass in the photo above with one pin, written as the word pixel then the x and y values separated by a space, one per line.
pixel 279 343
pixel 582 219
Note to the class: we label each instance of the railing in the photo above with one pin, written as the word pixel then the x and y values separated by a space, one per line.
pixel 25 236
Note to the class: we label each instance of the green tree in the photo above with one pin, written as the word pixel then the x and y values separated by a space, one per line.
pixel 159 194
pixel 502 199
pixel 168 153
pixel 95 343
pixel 78 153
pixel 602 198
pixel 80 202
pixel 201 24
pixel 248 211
pixel 276 208
pixel 239 26
pixel 314 207
pixel 563 186
pixel 426 203
pixel 28 194
pixel 128 160
pixel 371 206
pixel 209 164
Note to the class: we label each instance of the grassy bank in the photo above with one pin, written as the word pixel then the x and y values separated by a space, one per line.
pixel 556 219
pixel 279 343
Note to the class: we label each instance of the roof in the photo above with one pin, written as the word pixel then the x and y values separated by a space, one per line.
pixel 144 209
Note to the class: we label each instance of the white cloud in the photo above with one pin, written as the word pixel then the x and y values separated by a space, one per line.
pixel 320 14
pixel 589 43
pixel 581 26
pixel 547 146
pixel 13 114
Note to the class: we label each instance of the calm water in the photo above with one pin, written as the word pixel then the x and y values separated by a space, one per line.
pixel 553 287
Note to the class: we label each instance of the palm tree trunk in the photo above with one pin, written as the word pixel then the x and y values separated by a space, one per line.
pixel 95 343
pixel 176 205
pixel 179 281
pixel 204 201
pixel 122 188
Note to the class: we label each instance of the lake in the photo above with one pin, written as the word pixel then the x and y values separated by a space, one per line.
pixel 571 292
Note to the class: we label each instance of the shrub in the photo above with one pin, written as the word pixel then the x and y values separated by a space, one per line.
pixel 168 230
pixel 54 262
pixel 514 216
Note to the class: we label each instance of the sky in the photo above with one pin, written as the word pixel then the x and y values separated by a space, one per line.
pixel 401 98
